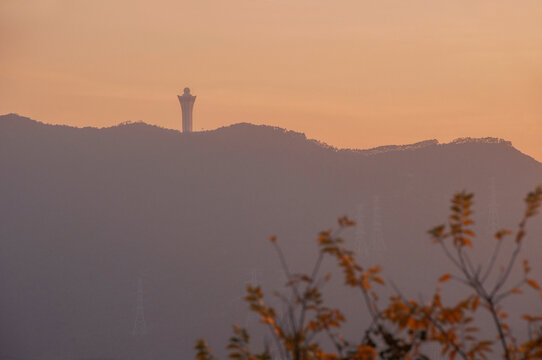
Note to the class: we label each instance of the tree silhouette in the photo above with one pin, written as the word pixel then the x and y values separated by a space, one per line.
pixel 399 328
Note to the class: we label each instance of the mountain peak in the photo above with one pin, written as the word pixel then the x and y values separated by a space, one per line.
pixel 485 140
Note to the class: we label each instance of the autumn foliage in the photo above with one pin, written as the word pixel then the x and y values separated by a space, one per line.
pixel 399 327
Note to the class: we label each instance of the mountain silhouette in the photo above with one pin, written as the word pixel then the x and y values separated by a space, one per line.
pixel 93 217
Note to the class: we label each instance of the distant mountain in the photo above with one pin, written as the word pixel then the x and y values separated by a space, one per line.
pixel 87 213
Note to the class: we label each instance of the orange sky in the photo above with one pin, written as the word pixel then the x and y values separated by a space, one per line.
pixel 352 73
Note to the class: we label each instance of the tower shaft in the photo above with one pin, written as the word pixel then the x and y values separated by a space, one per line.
pixel 187 105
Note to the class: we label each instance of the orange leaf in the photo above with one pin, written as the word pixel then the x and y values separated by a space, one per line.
pixel 365 284
pixel 526 266
pixel 533 283
pixel 445 278
pixel 466 242
pixel 475 303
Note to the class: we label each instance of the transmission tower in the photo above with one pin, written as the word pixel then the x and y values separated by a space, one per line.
pixel 378 245
pixel 360 236
pixel 140 326
pixel 493 209
pixel 253 281
pixel 253 277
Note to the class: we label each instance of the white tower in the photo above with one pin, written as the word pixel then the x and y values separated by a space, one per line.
pixel 187 105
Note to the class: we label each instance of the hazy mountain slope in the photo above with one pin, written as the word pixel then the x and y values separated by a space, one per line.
pixel 87 212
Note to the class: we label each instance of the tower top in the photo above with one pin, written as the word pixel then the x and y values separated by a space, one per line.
pixel 186 91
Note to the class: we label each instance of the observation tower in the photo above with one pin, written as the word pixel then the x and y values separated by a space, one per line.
pixel 187 105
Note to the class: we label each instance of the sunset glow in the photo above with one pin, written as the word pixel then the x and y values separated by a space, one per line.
pixel 350 73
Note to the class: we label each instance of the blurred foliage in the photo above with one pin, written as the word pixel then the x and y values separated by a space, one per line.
pixel 399 328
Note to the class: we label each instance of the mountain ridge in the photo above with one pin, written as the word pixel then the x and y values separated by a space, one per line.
pixel 87 212
pixel 253 129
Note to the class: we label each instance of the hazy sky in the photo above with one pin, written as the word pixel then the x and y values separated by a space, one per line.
pixel 352 73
